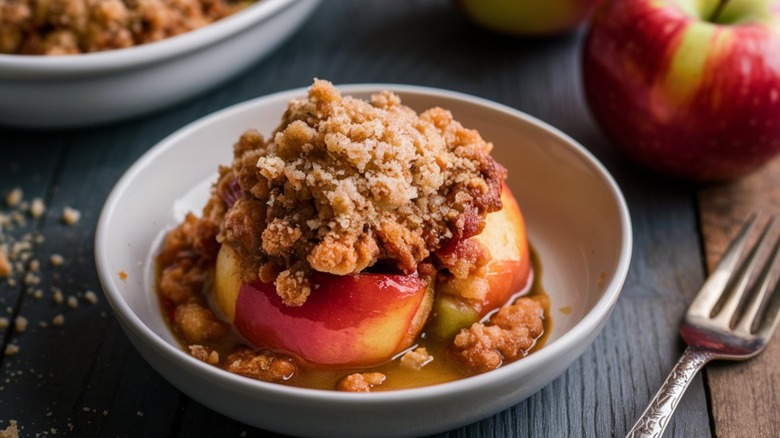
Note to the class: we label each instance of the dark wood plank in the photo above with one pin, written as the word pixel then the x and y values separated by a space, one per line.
pixel 755 383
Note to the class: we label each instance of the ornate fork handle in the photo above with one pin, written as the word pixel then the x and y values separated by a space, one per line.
pixel 656 417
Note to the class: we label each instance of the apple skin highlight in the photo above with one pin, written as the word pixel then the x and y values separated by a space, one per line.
pixel 685 97
pixel 529 18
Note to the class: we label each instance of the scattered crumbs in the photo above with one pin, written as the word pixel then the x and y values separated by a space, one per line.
pixel 49 414
pixel 34 265
pixel 53 431
pixel 11 349
pixel 37 208
pixel 90 297
pixel 56 260
pixel 4 322
pixel 139 414
pixel 57 296
pixel 565 310
pixel 70 427
pixel 73 302
pixel 70 215
pixel 38 294
pixel 58 320
pixel 14 197
pixel 20 324
pixel 105 412
pixel 85 409
pixel 122 275
pixel 243 433
pixel 43 324
pixel 416 359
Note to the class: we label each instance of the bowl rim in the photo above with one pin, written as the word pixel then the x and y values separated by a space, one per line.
pixel 591 321
pixel 148 53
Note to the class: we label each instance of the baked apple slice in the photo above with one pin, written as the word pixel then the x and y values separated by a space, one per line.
pixel 351 320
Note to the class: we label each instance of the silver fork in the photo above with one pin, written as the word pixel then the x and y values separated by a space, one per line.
pixel 726 320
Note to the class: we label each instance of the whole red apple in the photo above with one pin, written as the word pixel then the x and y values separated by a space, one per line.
pixel 528 17
pixel 689 89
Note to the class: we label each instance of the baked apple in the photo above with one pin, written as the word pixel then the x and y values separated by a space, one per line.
pixel 361 319
pixel 368 318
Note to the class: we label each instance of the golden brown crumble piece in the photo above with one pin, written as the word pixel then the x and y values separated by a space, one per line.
pixel 204 354
pixel 65 27
pixel 361 382
pixel 416 359
pixel 509 334
pixel 198 323
pixel 345 183
pixel 186 258
pixel 70 215
pixel 11 350
pixel 12 431
pixel 260 365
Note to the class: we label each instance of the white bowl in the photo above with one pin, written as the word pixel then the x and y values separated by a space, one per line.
pixel 78 90
pixel 577 221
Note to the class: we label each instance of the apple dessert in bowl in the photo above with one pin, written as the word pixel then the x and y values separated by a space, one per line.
pixel 573 213
pixel 362 247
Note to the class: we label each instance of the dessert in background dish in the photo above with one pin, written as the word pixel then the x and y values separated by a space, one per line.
pixel 361 247
pixel 68 27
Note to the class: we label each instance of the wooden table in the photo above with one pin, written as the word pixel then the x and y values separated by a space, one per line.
pixel 83 378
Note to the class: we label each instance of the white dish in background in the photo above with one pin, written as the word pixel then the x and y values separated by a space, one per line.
pixel 577 221
pixel 93 88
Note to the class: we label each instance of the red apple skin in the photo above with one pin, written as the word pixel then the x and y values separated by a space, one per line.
pixel 686 98
pixel 528 18
pixel 349 320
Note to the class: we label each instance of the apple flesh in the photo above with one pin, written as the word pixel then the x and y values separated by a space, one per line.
pixel 505 238
pixel 348 320
pixel 685 88
pixel 508 271
pixel 528 18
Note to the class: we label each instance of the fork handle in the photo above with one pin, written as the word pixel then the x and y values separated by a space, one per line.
pixel 656 417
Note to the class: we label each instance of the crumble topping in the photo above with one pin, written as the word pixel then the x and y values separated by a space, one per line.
pixel 361 382
pixel 506 337
pixel 66 27
pixel 344 184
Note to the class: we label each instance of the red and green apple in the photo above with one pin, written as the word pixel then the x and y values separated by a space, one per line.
pixel 687 88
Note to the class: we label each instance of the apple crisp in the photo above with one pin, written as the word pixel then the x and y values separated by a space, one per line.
pixel 345 184
pixel 342 187
pixel 67 27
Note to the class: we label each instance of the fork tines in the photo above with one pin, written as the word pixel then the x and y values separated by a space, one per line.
pixel 725 297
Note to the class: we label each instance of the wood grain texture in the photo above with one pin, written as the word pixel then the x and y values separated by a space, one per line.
pixel 87 366
pixel 754 383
